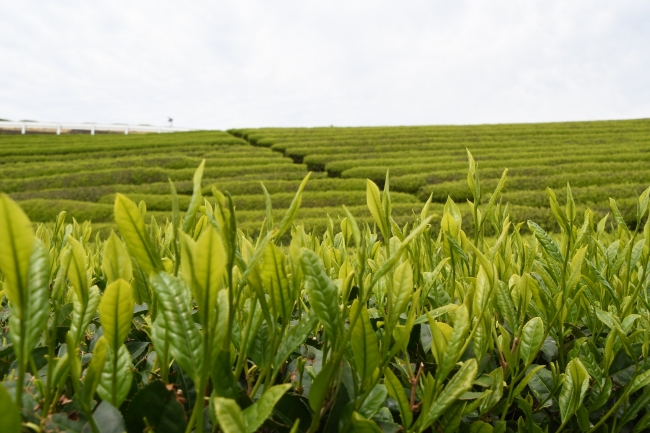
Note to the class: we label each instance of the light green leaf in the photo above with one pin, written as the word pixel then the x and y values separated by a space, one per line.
pixel 363 425
pixel 116 312
pixel 221 328
pixel 131 225
pixel 289 216
pixel 365 345
pixel 115 381
pixel 397 255
pixel 230 417
pixel 575 267
pixel 184 337
pixel 10 419
pixel 295 337
pixel 482 293
pixel 376 399
pixel 456 342
pixel 480 427
pixel 75 262
pixel 641 381
pixel 496 391
pixel 495 194
pixel 574 388
pixel 323 294
pixel 457 386
pixel 546 241
pixel 399 294
pixel 396 391
pixel 373 201
pixel 617 215
pixel 356 233
pixel 488 266
pixel 531 372
pixel 83 314
pixel 116 262
pixel 94 371
pixel 16 249
pixel 255 414
pixel 275 280
pixel 320 386
pixel 31 309
pixel 205 261
pixel 559 213
pixel 195 201
pixel 531 339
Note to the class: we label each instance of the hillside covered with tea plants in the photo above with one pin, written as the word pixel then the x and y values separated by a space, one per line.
pixel 82 173
pixel 194 326
pixel 599 160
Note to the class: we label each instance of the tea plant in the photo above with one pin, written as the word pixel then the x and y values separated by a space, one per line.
pixel 197 326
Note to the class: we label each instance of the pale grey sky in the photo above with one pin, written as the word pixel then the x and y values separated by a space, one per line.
pixel 224 64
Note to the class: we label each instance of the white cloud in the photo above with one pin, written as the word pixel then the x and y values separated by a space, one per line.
pixel 280 63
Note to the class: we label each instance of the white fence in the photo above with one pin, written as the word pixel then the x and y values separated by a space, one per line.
pixel 59 128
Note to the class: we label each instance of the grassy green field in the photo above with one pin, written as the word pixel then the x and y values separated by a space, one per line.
pixel 82 173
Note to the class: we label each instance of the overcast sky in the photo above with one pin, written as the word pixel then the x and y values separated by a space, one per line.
pixel 224 64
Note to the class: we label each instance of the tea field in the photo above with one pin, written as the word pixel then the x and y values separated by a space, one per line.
pixel 241 307
pixel 82 173
pixel 598 159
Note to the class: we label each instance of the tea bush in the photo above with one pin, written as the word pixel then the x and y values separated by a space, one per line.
pixel 193 325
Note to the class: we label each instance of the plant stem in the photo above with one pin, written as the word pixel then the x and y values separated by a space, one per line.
pixel 19 385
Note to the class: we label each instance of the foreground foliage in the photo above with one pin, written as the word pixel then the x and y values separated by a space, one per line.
pixel 194 326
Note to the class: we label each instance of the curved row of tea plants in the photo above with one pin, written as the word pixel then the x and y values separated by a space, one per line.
pixel 425 160
pixel 192 325
pixel 81 174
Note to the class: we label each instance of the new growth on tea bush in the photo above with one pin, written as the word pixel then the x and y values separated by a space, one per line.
pixel 196 326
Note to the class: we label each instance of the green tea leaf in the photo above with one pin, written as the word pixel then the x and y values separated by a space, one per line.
pixel 575 267
pixel 546 241
pixel 109 418
pixel 184 337
pixel 365 345
pixel 94 371
pixel 363 425
pixel 116 262
pixel 16 249
pixel 289 216
pixel 195 202
pixel 295 337
pixel 399 294
pixel 115 381
pixel 208 262
pixel 130 222
pixel 275 280
pixel 457 386
pixel 230 417
pixel 376 399
pixel 320 387
pixel 374 204
pixel 396 391
pixel 531 339
pixel 116 312
pixel 574 388
pixel 255 414
pixel 532 370
pixel 10 419
pixel 323 294
pixel 30 310
pixel 83 314
pixel 454 346
pixel 617 215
